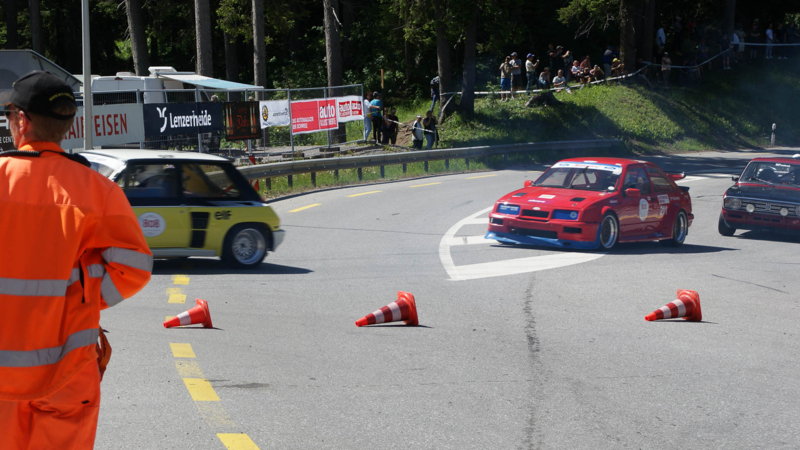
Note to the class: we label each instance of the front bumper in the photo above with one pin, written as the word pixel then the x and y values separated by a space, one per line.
pixel 742 220
pixel 277 238
pixel 552 233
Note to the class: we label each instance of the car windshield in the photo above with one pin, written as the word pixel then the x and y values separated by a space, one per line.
pixel 586 177
pixel 106 166
pixel 772 173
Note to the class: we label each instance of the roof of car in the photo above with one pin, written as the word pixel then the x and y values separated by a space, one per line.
pixel 612 161
pixel 127 155
pixel 777 159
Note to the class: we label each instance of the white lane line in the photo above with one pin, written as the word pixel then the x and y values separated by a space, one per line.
pixel 500 268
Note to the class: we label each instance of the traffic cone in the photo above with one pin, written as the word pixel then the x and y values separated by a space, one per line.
pixel 198 314
pixel 253 183
pixel 687 306
pixel 405 309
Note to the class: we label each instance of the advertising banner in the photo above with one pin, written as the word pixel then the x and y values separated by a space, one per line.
pixel 241 121
pixel 162 119
pixel 6 141
pixel 349 108
pixel 113 125
pixel 274 113
pixel 310 116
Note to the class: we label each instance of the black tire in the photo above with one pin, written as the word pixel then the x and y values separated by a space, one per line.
pixel 609 231
pixel 723 227
pixel 245 246
pixel 680 229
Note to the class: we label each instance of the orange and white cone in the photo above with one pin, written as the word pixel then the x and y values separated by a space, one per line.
pixel 687 306
pixel 405 309
pixel 253 183
pixel 198 314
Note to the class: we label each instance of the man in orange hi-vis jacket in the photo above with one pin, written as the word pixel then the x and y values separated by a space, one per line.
pixel 71 246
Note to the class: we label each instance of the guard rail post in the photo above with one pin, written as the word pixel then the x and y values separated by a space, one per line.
pixel 466 161
pixel 314 179
pixel 336 174
pixel 290 181
pixel 360 174
pixel 269 183
pixel 426 166
pixel 446 164
pixel 404 168
pixel 383 175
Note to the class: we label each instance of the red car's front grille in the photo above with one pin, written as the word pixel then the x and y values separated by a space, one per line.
pixel 536 214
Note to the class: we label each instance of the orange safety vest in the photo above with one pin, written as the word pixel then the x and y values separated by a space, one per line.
pixel 71 246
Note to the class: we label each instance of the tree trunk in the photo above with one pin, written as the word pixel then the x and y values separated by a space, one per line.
pixel 730 18
pixel 202 25
pixel 259 47
pixel 11 24
pixel 468 86
pixel 333 57
pixel 138 38
pixel 348 22
pixel 443 54
pixel 627 34
pixel 37 39
pixel 649 30
pixel 231 61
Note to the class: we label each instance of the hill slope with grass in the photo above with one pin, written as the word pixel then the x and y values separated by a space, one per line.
pixel 727 110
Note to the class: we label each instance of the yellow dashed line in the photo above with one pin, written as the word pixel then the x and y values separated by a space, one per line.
pixel 182 350
pixel 237 441
pixel 305 207
pixel 364 193
pixel 482 176
pixel 177 298
pixel 200 390
pixel 171 291
pixel 188 368
pixel 180 279
pixel 421 185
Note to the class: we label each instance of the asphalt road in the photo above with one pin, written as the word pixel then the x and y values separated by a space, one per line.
pixel 553 357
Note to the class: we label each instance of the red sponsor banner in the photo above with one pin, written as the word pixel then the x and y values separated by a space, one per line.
pixel 349 108
pixel 310 116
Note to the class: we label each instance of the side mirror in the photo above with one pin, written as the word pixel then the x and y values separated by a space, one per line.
pixel 634 193
pixel 528 183
pixel 677 176
pixel 735 178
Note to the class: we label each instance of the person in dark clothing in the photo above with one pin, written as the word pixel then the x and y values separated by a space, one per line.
pixel 390 123
pixel 376 105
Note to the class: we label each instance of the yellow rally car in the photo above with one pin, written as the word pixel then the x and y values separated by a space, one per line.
pixel 193 204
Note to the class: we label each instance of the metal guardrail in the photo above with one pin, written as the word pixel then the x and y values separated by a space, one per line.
pixel 355 162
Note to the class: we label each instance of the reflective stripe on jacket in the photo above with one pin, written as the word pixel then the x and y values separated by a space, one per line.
pixel 71 247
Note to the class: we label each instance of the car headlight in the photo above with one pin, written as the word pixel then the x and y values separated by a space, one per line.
pixel 784 212
pixel 732 203
pixel 563 214
pixel 750 208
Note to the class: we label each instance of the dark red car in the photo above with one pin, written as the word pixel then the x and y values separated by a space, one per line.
pixel 594 203
pixel 765 197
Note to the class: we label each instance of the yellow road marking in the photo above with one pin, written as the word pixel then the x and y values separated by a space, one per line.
pixel 182 350
pixel 237 441
pixel 429 184
pixel 482 176
pixel 180 279
pixel 171 291
pixel 200 390
pixel 177 298
pixel 305 207
pixel 364 193
pixel 188 368
pixel 215 416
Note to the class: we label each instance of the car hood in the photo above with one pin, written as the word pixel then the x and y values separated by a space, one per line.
pixel 554 197
pixel 765 192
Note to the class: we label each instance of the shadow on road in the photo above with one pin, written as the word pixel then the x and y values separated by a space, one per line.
pixel 768 236
pixel 203 266
pixel 655 248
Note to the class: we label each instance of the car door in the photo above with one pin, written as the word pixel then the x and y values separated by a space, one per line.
pixel 634 211
pixel 665 208
pixel 153 190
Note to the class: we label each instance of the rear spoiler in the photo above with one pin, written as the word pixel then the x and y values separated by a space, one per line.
pixel 676 175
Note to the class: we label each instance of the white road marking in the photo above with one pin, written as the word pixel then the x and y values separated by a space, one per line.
pixel 500 268
pixel 469 240
pixel 478 221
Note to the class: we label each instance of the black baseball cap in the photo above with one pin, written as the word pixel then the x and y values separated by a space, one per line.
pixel 40 92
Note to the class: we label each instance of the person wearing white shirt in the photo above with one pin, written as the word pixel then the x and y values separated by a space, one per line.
pixel 559 82
pixel 770 40
pixel 367 112
pixel 661 39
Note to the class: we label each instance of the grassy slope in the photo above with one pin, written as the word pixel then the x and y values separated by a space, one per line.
pixel 729 109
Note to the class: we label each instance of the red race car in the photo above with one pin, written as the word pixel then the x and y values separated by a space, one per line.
pixel 766 197
pixel 594 203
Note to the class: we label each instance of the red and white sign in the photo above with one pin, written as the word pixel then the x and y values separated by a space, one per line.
pixel 310 116
pixel 113 124
pixel 349 108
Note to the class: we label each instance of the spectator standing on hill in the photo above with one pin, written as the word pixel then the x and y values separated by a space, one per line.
pixel 728 48
pixel 770 40
pixel 391 126
pixel 739 37
pixel 516 74
pixel 753 37
pixel 566 60
pixel 417 133
pixel 376 106
pixel 367 112
pixel 530 71
pixel 554 59
pixel 702 52
pixel 434 91
pixel 544 78
pixel 505 79
pixel 608 56
pixel 560 83
pixel 429 123
pixel 661 39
